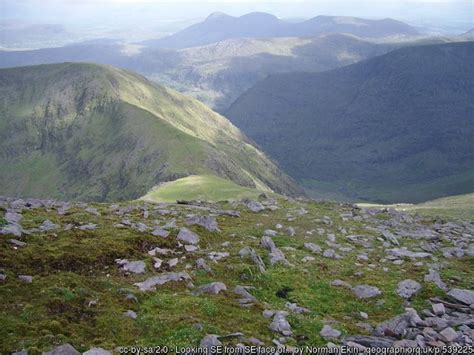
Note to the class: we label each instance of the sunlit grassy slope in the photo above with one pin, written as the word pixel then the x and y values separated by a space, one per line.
pixel 461 206
pixel 199 187
pixel 94 132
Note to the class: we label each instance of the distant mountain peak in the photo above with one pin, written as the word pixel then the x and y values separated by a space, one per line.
pixel 216 15
pixel 259 15
pixel 218 27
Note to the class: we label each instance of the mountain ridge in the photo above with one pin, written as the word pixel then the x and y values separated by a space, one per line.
pixel 96 132
pixel 264 25
pixel 394 128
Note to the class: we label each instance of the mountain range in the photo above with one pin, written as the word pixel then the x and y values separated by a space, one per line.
pixel 95 132
pixel 217 74
pixel 218 27
pixel 394 128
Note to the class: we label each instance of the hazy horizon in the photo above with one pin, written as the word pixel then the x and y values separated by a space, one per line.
pixel 435 16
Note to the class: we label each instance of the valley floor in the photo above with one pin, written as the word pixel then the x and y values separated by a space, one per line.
pixel 273 271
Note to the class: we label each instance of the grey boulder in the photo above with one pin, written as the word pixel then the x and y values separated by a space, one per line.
pixel 366 291
pixel 461 295
pixel 97 351
pixel 408 288
pixel 65 349
pixel 188 237
pixel 213 288
pixel 150 283
pixel 329 332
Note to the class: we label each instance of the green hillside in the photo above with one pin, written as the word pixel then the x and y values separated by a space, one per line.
pixel 93 132
pixel 394 128
pixel 461 206
pixel 203 188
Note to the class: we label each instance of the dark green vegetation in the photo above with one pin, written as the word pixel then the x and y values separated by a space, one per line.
pixel 218 27
pixel 85 131
pixel 78 293
pixel 395 128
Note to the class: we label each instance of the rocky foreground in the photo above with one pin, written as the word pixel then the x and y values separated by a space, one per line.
pixel 79 277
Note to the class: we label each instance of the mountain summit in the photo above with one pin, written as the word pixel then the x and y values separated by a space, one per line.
pixel 95 132
pixel 394 128
pixel 218 27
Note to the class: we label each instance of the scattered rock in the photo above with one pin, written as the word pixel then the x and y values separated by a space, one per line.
pixel 150 283
pixel 390 237
pixel 187 236
pixel 88 227
pixel 209 222
pixel 408 288
pixel 405 253
pixel 329 332
pixel 201 264
pixel 25 278
pixel 47 226
pixel 213 288
pixel 160 232
pixel 438 309
pixel 97 351
pixel 246 298
pixel 215 256
pixel 17 243
pixel 366 291
pixel 340 283
pixel 370 341
pixel 160 251
pixel 14 229
pixel 461 295
pixel 136 267
pixel 433 276
pixel 293 307
pixel 250 252
pixel 449 335
pixel 267 243
pixel 280 324
pixel 209 341
pixel 130 314
pixel 65 349
pixel 173 262
pixel 190 248
pixel 255 206
pixel 313 248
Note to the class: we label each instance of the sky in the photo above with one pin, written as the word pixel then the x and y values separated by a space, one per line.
pixel 456 13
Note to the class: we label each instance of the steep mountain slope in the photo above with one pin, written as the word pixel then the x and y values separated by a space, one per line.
pixel 395 128
pixel 219 27
pixel 84 131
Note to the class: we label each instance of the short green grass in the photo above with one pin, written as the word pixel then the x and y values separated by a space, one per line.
pixel 461 206
pixel 199 187
pixel 73 268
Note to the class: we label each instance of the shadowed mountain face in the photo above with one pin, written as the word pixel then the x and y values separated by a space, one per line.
pixel 91 132
pixel 397 127
pixel 219 27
